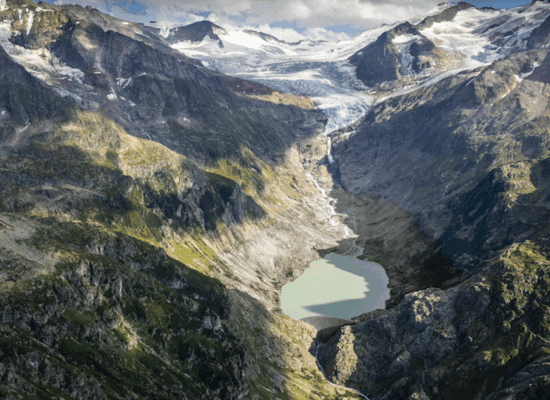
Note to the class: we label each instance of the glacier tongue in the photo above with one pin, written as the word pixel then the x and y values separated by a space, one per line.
pixel 321 70
pixel 316 70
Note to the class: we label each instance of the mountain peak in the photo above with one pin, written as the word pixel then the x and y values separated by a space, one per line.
pixel 447 15
pixel 196 32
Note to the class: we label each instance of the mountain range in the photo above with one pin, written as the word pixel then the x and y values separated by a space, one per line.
pixel 159 187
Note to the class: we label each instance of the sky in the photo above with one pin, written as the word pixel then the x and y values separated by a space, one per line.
pixel 286 19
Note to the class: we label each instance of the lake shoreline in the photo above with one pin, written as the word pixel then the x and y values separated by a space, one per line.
pixel 337 285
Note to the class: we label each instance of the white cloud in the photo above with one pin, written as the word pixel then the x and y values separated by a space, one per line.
pixel 286 34
pixel 359 14
pixel 321 33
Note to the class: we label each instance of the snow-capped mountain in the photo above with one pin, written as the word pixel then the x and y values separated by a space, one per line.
pixel 345 78
pixel 316 69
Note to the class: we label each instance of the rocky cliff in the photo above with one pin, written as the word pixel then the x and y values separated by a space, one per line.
pixel 467 159
pixel 196 32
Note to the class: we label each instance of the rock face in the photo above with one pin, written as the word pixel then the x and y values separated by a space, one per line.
pixel 112 292
pixel 414 54
pixel 484 326
pixel 539 37
pixel 401 51
pixel 103 318
pixel 381 61
pixel 157 93
pixel 26 99
pixel 196 32
pixel 460 122
pixel 435 339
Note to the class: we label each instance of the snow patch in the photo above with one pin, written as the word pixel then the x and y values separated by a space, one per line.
pixel 526 74
pixel 123 82
pixel 3 5
pixel 329 150
pixel 164 31
pixel 458 37
pixel 112 96
pixel 3 112
pixel 348 134
pixel 403 44
pixel 65 93
pixel 40 63
pixel 30 21
pixel 405 39
pixel 518 80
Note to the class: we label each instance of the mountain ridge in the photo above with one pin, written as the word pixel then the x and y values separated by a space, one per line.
pixel 197 32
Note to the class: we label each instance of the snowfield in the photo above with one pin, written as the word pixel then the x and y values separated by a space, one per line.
pixel 316 69
pixel 320 69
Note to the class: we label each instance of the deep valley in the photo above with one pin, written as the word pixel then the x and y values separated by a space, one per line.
pixel 158 189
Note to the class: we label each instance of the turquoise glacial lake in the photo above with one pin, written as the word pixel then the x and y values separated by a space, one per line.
pixel 336 286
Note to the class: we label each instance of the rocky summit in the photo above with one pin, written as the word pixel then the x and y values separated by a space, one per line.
pixel 158 187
